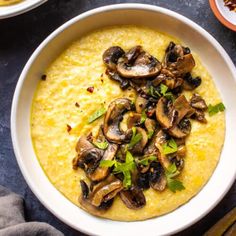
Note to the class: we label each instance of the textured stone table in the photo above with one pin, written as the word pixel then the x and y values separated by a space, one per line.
pixel 19 36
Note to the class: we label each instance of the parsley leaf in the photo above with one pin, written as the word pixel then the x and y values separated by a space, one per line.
pixel 153 92
pixel 97 114
pixel 145 161
pixel 168 95
pixel 150 134
pixel 173 184
pixel 212 110
pixel 170 147
pixel 101 145
pixel 107 163
pixel 124 168
pixel 143 117
pixel 135 138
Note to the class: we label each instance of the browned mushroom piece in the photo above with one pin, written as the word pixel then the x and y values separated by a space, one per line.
pixel 139 147
pixel 183 108
pixel 134 119
pixel 138 64
pixel 150 125
pixel 140 104
pixel 83 144
pixel 105 190
pixel 191 83
pixel 102 195
pixel 165 113
pixel 113 75
pixel 181 130
pixel 133 198
pixel 111 56
pixel 198 102
pixel 157 176
pixel 183 65
pixel 101 173
pixel 178 157
pixel 112 120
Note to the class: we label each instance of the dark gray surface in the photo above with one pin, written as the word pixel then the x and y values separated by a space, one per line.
pixel 19 36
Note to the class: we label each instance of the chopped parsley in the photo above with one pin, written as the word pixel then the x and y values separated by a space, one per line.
pixel 212 110
pixel 170 147
pixel 150 134
pixel 101 145
pixel 168 95
pixel 143 117
pixel 145 161
pixel 135 138
pixel 125 168
pixel 173 184
pixel 97 114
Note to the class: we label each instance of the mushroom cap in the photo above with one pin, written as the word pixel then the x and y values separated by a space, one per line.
pixel 165 113
pixel 111 56
pixel 105 190
pixel 101 173
pixel 198 102
pixel 181 130
pixel 139 147
pixel 133 198
pixel 138 64
pixel 112 119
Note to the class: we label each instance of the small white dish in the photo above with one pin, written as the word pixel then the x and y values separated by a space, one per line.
pixel 19 8
pixel 213 56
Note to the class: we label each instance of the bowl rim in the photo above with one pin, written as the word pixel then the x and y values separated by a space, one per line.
pixel 123 6
pixel 220 17
pixel 19 8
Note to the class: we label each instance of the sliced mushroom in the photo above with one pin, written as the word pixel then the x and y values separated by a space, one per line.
pixel 183 108
pixel 198 102
pixel 133 198
pixel 157 176
pixel 112 120
pixel 139 147
pixel 191 83
pixel 134 119
pixel 101 173
pixel 111 56
pixel 140 104
pixel 138 64
pixel 150 125
pixel 178 157
pixel 199 115
pixel 105 190
pixel 165 113
pixel 183 65
pixel 180 130
pixel 113 75
pixel 86 199
pixel 83 144
pixel 143 180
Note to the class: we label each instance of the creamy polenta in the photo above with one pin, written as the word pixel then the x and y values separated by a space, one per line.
pixel 9 2
pixel 62 100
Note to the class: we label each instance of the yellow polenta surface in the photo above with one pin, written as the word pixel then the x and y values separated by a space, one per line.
pixel 68 78
pixel 8 2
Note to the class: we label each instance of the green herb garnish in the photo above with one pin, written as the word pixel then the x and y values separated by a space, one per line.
pixel 153 92
pixel 168 95
pixel 173 184
pixel 143 117
pixel 124 168
pixel 212 110
pixel 101 145
pixel 135 138
pixel 145 161
pixel 150 134
pixel 170 147
pixel 97 114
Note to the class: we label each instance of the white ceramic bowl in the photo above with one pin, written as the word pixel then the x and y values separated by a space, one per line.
pixel 19 8
pixel 213 57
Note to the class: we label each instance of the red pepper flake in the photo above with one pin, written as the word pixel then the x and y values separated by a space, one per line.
pixel 102 80
pixel 68 128
pixel 90 89
pixel 77 104
pixel 44 77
